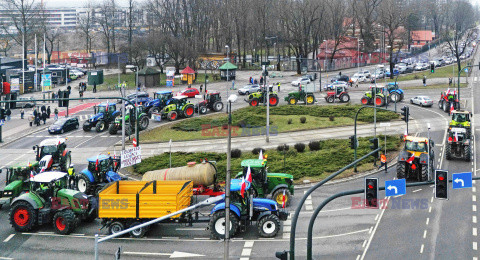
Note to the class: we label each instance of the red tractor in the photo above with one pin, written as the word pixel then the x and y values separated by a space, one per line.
pixel 340 93
pixel 213 101
pixel 448 101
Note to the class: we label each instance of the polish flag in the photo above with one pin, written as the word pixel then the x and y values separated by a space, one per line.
pixel 260 155
pixel 451 108
pixel 448 91
pixel 410 160
pixel 243 187
pixel 405 134
pixel 96 164
pixel 249 174
pixel 456 137
pixel 31 174
pixel 115 157
pixel 283 199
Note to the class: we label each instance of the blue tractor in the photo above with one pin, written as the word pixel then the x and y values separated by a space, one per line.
pixel 244 210
pixel 396 94
pixel 160 100
pixel 101 170
pixel 104 114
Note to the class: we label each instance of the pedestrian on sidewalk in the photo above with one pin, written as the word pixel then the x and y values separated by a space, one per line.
pixel 201 87
pixel 43 109
pixel 261 80
pixel 94 87
pixel 44 117
pixel 49 112
pixel 450 81
pixel 30 119
pixel 37 119
pixel 278 86
pixel 56 114
pixel 8 112
pixel 22 112
pixel 81 95
pixel 424 80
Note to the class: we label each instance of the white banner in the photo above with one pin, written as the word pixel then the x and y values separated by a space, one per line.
pixel 131 157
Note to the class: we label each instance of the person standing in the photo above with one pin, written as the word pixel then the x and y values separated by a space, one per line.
pixel 201 87
pixel 43 109
pixel 22 112
pixel 95 87
pixel 449 81
pixel 44 117
pixel 8 112
pixel 49 112
pixel 424 80
pixel 55 111
pixel 278 86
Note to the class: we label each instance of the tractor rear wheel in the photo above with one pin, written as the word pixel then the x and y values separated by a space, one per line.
pixel 424 176
pixel 446 107
pixel 273 100
pixel 203 110
pixel 83 184
pixel 139 232
pixel 172 115
pixel 112 129
pixel 64 222
pixel 116 227
pixel 467 152
pixel 379 101
pixel 310 99
pixel 344 98
pixel 278 197
pixel 365 100
pixel 100 126
pixel 143 124
pixel 268 226
pixel 254 102
pixel 292 101
pixel 217 106
pixel 154 110
pixel 66 162
pixel 448 151
pixel 92 209
pixel 440 104
pixel 401 170
pixel 188 111
pixel 217 225
pixel 23 216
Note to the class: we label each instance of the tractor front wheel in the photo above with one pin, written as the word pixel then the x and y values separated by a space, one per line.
pixel 254 102
pixel 87 128
pixel 143 122
pixel 379 101
pixel 172 115
pixel 401 170
pixel 203 110
pixel 364 100
pixel 23 216
pixel 217 225
pixel 188 111
pixel 278 197
pixel 394 97
pixel 100 126
pixel 83 184
pixel 292 101
pixel 64 222
pixel 112 129
pixel 440 104
pixel 273 100
pixel 310 100
pixel 268 226
pixel 330 99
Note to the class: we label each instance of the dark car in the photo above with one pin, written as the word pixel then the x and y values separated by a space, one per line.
pixel 141 100
pixel 63 125
pixel 343 78
pixel 141 94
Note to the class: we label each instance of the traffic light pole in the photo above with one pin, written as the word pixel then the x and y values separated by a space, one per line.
pixel 458 83
pixel 342 194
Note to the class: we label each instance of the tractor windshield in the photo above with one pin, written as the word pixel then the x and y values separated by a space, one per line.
pixel 460 117
pixel 102 109
pixel 48 150
pixel 415 146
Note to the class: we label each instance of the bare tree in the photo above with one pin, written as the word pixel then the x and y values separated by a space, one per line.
pixel 85 26
pixel 107 23
pixel 366 16
pixel 335 25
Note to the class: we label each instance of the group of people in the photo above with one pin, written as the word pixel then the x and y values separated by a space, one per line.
pixel 255 81
pixel 40 115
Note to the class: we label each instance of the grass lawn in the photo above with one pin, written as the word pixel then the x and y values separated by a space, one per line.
pixel 284 118
pixel 129 78
pixel 311 164
pixel 435 86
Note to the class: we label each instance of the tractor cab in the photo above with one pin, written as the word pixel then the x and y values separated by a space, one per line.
pixel 449 95
pixel 100 164
pixel 53 147
pixel 105 108
pixel 213 97
pixel 417 145
pixel 460 117
pixel 44 183
pixel 379 90
pixel 258 169
pixel 340 89
pixel 391 86
pixel 163 96
pixel 17 181
pixel 179 101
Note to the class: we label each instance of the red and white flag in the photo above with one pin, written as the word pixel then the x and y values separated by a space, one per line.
pixel 283 199
pixel 31 174
pixel 114 157
pixel 451 108
pixel 249 174
pixel 243 187
pixel 96 164
pixel 260 155
pixel 405 134
pixel 410 160
pixel 455 139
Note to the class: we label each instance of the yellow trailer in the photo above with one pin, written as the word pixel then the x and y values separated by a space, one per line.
pixel 124 204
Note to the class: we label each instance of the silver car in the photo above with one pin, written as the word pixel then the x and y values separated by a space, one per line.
pixel 422 101
pixel 25 102
pixel 249 89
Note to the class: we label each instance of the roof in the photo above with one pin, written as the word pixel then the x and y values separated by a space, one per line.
pixel 416 139
pixel 148 71
pixel 187 70
pixel 227 66
pixel 236 185
pixel 422 35
pixel 163 92
pixel 253 163
pixel 105 104
pixel 48 176
pixel 179 97
pixel 100 157
pixel 52 141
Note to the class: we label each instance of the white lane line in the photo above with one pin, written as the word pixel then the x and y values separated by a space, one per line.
pixel 374 230
pixel 474 219
pixel 248 244
pixel 370 230
pixel 333 210
pixel 474 232
pixel 475 246
pixel 425 233
pixel 431 200
pixel 416 190
pixel 376 217
pixel 474 189
pixel 428 221
pixel 246 251
pixel 430 209
pixel 8 238
pixel 474 198
pixel 364 243
pixel 5 258
pixel 421 249
pixel 358 257
pixel 474 208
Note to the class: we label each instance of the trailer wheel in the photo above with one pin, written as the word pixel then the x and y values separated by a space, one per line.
pixel 278 197
pixel 268 226
pixel 401 170
pixel 448 152
pixel 139 232
pixel 64 222
pixel 217 225
pixel 116 227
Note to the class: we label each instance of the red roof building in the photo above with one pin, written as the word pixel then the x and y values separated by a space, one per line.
pixel 420 38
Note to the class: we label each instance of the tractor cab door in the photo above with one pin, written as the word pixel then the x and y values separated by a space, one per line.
pixel 339 91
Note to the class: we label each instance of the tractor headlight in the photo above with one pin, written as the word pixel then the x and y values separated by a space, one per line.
pixel 7 193
pixel 276 207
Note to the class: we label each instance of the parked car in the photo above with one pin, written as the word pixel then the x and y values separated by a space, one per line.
pixel 132 96
pixel 301 81
pixel 343 78
pixel 422 101
pixel 63 125
pixel 405 69
pixel 77 72
pixel 388 74
pixel 358 77
pixel 189 92
pixel 366 73
pixel 335 84
pixel 249 89
pixel 73 76
pixel 25 102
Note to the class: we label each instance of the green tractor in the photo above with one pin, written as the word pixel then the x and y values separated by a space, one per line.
pixel 50 201
pixel 380 99
pixel 293 97
pixel 17 181
pixel 130 120
pixel 254 99
pixel 461 118
pixel 178 106
pixel 265 183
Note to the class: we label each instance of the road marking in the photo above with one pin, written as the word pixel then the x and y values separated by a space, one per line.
pixel 474 189
pixel 425 233
pixel 76 234
pixel 370 230
pixel 333 210
pixel 474 208
pixel 431 200
pixel 474 231
pixel 190 229
pixel 475 246
pixel 8 238
pixel 6 258
pixel 421 249
pixel 416 190
pixel 308 202
pixel 430 209
pixel 428 221
pixel 374 230
pixel 376 217
pixel 246 251
pixel 474 198
pixel 364 243
pixel 358 257
pixel 474 219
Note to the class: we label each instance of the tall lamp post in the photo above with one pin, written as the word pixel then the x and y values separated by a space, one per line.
pixel 135 69
pixel 226 255
pixel 326 61
pixel 358 53
pixel 228 60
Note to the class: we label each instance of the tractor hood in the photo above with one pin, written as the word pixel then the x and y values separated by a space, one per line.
pixel 265 204
pixel 279 175
pixel 96 117
pixel 78 200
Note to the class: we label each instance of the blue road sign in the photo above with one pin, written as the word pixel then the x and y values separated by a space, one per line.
pixel 2 122
pixel 462 180
pixel 466 70
pixel 395 187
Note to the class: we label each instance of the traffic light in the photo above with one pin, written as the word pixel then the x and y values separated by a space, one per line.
pixel 63 94
pixel 374 146
pixel 405 113
pixel 441 184
pixel 353 142
pixel 432 67
pixel 282 255
pixel 371 193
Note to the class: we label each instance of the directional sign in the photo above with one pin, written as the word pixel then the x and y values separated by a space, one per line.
pixel 462 180
pixel 2 122
pixel 395 187
pixel 466 70
pixel 131 157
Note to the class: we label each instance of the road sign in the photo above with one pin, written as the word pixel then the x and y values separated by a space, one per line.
pixel 395 187
pixel 2 122
pixel 384 124
pixel 466 70
pixel 131 157
pixel 462 180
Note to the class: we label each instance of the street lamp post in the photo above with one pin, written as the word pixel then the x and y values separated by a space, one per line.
pixel 135 69
pixel 228 60
pixel 326 61
pixel 358 54
pixel 226 255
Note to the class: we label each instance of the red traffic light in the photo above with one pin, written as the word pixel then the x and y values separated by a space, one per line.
pixel 441 178
pixel 370 186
